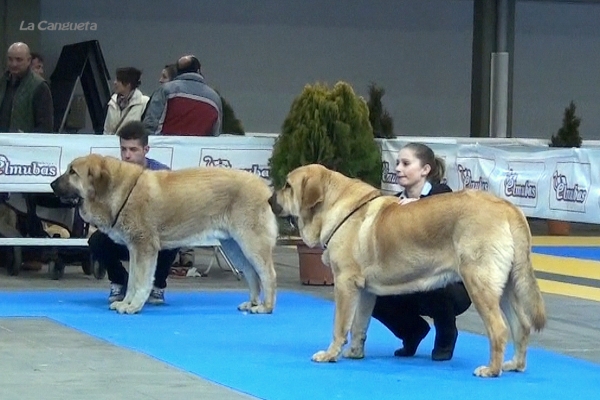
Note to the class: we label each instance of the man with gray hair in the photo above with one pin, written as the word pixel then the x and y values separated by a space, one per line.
pixel 25 98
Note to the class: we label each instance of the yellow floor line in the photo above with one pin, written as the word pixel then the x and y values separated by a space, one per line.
pixel 566 266
pixel 569 289
pixel 566 241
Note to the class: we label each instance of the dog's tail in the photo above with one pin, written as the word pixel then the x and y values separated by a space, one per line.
pixel 522 275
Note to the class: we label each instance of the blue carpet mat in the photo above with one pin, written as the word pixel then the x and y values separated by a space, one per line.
pixel 268 356
pixel 584 252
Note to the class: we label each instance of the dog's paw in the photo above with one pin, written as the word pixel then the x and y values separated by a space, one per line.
pixel 260 309
pixel 486 372
pixel 128 308
pixel 246 306
pixel 513 366
pixel 354 352
pixel 324 356
pixel 115 304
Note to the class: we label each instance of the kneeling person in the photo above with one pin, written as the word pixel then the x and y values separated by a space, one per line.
pixel 419 173
pixel 134 147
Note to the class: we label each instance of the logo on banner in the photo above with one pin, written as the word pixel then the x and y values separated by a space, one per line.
pixel 389 176
pixel 512 187
pixel 466 177
pixel 215 160
pixel 34 168
pixel 566 193
pixel 210 161
pixel 521 183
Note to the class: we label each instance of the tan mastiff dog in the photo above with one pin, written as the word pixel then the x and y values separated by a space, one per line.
pixel 152 210
pixel 376 246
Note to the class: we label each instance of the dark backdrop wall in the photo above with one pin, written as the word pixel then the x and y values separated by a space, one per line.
pixel 260 53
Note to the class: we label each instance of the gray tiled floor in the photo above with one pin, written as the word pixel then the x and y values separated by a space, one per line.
pixel 42 359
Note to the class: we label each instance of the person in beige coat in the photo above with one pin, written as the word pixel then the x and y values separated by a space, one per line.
pixel 127 103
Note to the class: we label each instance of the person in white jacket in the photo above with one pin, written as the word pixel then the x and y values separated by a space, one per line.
pixel 127 103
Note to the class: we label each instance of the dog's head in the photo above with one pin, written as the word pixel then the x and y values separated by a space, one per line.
pixel 301 198
pixel 86 178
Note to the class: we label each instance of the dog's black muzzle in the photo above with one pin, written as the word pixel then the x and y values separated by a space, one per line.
pixel 55 185
pixel 66 196
pixel 277 209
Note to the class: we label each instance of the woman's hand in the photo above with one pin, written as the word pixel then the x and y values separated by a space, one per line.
pixel 406 201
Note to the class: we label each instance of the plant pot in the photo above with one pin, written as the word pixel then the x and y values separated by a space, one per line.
pixel 312 269
pixel 559 228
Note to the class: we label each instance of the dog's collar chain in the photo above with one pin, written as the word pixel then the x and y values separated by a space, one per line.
pixel 364 203
pixel 126 199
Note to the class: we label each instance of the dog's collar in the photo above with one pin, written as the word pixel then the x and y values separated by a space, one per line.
pixel 126 198
pixel 364 203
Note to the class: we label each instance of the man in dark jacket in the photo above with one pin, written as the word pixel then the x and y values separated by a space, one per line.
pixel 25 98
pixel 25 107
pixel 185 106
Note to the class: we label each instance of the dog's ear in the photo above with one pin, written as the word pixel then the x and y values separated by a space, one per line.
pixel 99 177
pixel 312 192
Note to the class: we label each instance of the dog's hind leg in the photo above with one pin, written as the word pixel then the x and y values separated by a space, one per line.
pixel 519 328
pixel 253 281
pixel 346 295
pixel 523 302
pixel 268 282
pixel 259 273
pixel 485 293
pixel 360 325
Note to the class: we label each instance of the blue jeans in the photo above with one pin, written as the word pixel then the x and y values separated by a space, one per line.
pixel 235 255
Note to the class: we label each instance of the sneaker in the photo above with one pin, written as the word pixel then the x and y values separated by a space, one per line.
pixel 157 296
pixel 117 292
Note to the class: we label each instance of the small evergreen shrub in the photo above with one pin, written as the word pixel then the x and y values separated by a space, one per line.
pixel 328 126
pixel 568 134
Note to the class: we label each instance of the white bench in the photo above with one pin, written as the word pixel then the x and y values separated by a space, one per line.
pixel 62 242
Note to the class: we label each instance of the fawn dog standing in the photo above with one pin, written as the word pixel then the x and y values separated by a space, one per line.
pixel 152 210
pixel 377 247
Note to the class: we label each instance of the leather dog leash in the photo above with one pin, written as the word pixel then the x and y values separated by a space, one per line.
pixel 126 198
pixel 364 203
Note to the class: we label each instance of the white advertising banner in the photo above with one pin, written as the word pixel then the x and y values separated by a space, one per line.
pixel 29 162
pixel 546 183
pixel 561 184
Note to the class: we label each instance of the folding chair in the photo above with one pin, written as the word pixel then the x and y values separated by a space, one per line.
pixel 217 250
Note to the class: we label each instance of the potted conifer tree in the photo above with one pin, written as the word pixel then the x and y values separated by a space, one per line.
pixel 328 126
pixel 381 120
pixel 567 137
pixel 230 124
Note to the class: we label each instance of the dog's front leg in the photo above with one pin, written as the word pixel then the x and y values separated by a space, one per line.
pixel 142 266
pixel 121 305
pixel 362 317
pixel 346 298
